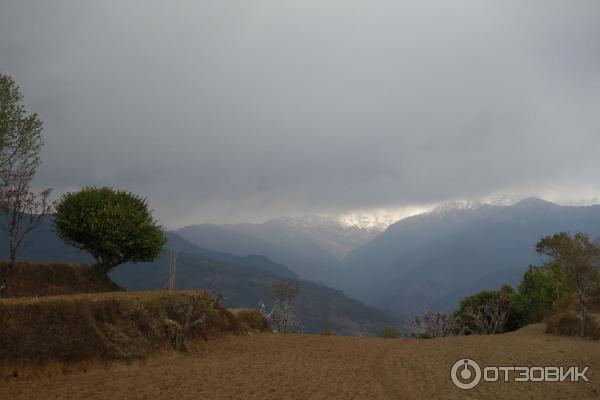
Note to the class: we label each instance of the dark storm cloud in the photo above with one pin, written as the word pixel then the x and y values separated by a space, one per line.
pixel 240 110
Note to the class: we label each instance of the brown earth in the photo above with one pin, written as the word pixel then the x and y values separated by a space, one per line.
pixel 26 279
pixel 269 366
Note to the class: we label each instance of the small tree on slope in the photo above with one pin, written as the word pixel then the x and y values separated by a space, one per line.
pixel 580 260
pixel 114 226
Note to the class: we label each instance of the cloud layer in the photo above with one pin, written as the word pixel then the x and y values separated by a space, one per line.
pixel 240 110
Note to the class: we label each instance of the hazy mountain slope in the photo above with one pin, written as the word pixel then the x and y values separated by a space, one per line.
pixel 43 244
pixel 483 254
pixel 316 307
pixel 368 265
pixel 257 261
pixel 322 239
pixel 221 239
pixel 244 281
pixel 411 232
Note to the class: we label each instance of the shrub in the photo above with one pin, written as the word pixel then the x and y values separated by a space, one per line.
pixel 487 312
pixel 541 290
pixel 113 226
pixel 251 320
pixel 432 325
pixel 569 324
pixel 327 332
pixel 389 333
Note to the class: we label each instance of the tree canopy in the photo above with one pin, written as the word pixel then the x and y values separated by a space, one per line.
pixel 113 226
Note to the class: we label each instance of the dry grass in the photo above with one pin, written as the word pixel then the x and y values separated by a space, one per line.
pixel 48 279
pixel 567 323
pixel 119 325
pixel 566 317
pixel 251 320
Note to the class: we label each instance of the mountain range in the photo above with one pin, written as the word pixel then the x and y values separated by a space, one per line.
pixel 426 261
pixel 444 255
pixel 244 281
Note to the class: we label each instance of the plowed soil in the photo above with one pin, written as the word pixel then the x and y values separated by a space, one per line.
pixel 270 366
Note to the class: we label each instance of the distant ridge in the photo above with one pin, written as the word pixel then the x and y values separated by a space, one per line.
pixel 431 260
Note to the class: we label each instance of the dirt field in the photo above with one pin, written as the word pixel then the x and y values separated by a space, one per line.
pixel 268 366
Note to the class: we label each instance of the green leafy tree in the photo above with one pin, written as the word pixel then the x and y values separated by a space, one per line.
pixel 487 312
pixel 538 291
pixel 579 259
pixel 113 226
pixel 21 210
pixel 20 132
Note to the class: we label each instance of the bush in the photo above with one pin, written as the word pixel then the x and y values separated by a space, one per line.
pixel 251 320
pixel 569 324
pixel 327 332
pixel 113 226
pixel 487 312
pixel 541 290
pixel 389 333
pixel 432 325
pixel 103 325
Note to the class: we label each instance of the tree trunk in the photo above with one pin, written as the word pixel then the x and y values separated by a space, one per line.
pixel 583 303
pixel 101 269
pixel 12 252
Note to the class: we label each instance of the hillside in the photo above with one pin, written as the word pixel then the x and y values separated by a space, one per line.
pixel 105 326
pixel 244 281
pixel 316 307
pixel 319 238
pixel 28 279
pixel 443 256
pixel 267 366
pixel 226 240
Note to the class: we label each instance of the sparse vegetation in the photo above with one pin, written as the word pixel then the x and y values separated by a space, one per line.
pixel 113 226
pixel 579 259
pixel 327 332
pixel 251 320
pixel 105 325
pixel 51 279
pixel 282 316
pixel 540 291
pixel 432 325
pixel 487 312
pixel 544 292
pixel 389 333
pixel 21 209
pixel 569 324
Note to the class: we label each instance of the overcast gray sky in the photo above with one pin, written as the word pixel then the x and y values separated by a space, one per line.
pixel 226 111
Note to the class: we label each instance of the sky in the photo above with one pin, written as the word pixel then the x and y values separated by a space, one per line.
pixel 230 111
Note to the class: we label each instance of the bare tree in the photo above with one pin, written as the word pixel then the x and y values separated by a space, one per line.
pixel 196 315
pixel 579 258
pixel 489 318
pixel 432 325
pixel 22 209
pixel 20 145
pixel 281 316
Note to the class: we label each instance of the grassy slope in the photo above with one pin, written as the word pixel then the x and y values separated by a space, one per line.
pixel 243 280
pixel 45 279
pixel 106 325
pixel 317 306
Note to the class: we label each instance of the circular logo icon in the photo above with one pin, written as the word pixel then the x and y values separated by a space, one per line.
pixel 465 374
